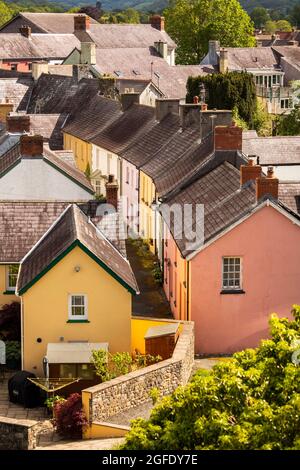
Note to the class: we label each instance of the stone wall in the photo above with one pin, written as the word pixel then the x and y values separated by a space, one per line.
pixel 16 434
pixel 133 389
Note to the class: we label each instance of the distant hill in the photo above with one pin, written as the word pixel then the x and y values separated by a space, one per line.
pixel 159 5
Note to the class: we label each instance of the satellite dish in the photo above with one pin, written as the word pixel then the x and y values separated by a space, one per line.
pixel 2 352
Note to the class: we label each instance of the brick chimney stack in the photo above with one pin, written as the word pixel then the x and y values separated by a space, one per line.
pixel 267 185
pixel 112 188
pixel 228 137
pixel 18 123
pixel 31 145
pixel 250 172
pixel 81 23
pixel 25 31
pixel 158 22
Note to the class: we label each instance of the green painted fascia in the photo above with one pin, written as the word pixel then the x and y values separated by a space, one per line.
pixel 47 268
pixel 63 254
pixel 9 292
pixel 106 268
pixel 10 167
pixel 69 176
pixel 78 321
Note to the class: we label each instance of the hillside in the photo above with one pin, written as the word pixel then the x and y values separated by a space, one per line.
pixel 159 5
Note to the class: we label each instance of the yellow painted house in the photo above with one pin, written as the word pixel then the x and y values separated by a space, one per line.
pixel 8 280
pixel 147 213
pixel 81 149
pixel 76 290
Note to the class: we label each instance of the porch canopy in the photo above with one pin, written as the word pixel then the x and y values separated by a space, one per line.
pixel 72 353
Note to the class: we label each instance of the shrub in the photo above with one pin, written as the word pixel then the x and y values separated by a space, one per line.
pixel 13 354
pixel 10 322
pixel 251 402
pixel 69 417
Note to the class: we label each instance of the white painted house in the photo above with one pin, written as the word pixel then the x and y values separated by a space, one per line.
pixel 29 171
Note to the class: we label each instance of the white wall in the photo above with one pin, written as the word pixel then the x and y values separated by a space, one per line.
pixel 285 173
pixel 107 162
pixel 34 179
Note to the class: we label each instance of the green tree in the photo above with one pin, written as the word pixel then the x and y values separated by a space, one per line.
pixel 283 25
pixel 232 90
pixel 249 403
pixel 288 124
pixel 192 23
pixel 270 27
pixel 295 15
pixel 259 16
pixel 5 13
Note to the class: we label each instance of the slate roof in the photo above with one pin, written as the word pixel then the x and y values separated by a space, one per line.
pixel 126 128
pixel 291 53
pixel 126 62
pixel 38 46
pixel 7 141
pixel 223 199
pixel 50 127
pixel 74 226
pixel 86 124
pixel 120 35
pixel 148 144
pixel 179 159
pixel 289 194
pixel 56 94
pixel 281 150
pixel 16 91
pixel 13 157
pixel 48 22
pixel 243 58
pixel 22 223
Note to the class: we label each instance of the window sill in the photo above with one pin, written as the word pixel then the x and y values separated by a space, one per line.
pixel 78 321
pixel 232 291
pixel 9 292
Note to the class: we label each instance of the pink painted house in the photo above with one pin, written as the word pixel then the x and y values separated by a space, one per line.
pixel 248 266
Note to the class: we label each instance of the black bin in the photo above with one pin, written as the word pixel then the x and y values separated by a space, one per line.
pixel 22 391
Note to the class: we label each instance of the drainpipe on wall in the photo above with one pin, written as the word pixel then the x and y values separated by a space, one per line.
pixel 188 291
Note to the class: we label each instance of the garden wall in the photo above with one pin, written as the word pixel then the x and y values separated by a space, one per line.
pixel 16 434
pixel 128 391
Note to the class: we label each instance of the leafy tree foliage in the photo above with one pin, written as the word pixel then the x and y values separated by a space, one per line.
pixel 288 124
pixel 10 321
pixel 250 402
pixel 5 13
pixel 270 27
pixel 192 23
pixel 232 90
pixel 69 416
pixel 283 25
pixel 295 15
pixel 259 16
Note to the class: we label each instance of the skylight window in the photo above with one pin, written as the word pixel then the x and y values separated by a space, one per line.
pixel 118 73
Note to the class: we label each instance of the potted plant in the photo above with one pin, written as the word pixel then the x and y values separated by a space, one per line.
pixel 13 354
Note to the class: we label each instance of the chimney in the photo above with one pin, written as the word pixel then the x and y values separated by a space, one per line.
pixel 164 107
pixel 88 53
pixel 128 99
pixel 250 171
pixel 38 68
pixel 5 109
pixel 213 52
pixel 223 64
pixel 31 145
pixel 25 31
pixel 162 48
pixel 112 188
pixel 267 185
pixel 228 137
pixel 18 123
pixel 158 22
pixel 81 23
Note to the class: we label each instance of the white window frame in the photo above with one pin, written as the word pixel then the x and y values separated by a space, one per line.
pixel 8 287
pixel 77 317
pixel 229 288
